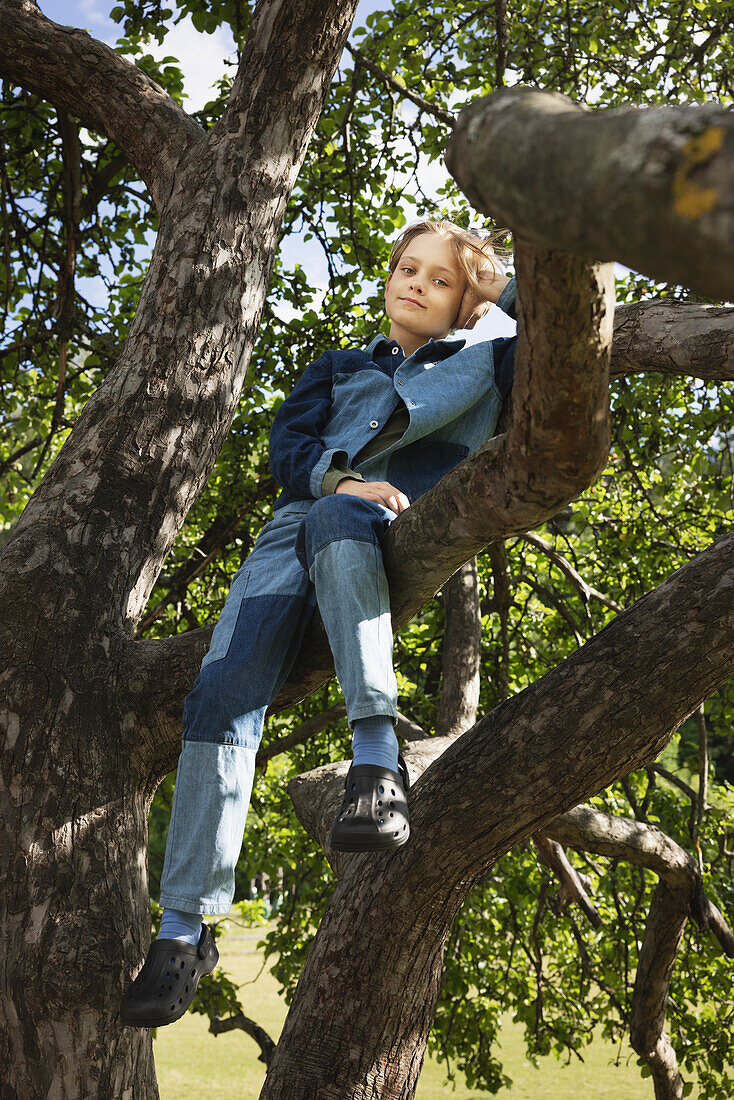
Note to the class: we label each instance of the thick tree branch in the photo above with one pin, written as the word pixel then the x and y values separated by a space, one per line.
pixel 106 92
pixel 679 338
pixel 649 187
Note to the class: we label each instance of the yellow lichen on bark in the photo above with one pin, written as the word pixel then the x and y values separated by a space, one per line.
pixel 689 199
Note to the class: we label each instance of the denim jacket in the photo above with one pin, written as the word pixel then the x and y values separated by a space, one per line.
pixel 343 399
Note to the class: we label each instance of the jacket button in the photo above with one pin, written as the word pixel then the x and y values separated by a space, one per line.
pixel 400 382
pixel 374 424
pixel 395 351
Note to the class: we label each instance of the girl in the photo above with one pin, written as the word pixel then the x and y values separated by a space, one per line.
pixel 364 432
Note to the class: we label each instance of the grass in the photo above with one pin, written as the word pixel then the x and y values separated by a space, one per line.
pixel 192 1062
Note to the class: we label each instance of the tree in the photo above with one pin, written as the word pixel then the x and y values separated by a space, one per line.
pixel 91 713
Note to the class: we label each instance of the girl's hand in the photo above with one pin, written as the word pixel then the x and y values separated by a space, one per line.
pixel 382 492
pixel 473 308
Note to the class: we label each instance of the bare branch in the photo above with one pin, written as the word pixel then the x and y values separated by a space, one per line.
pixel 566 568
pixel 666 921
pixel 75 72
pixel 405 93
pixel 239 1022
pixel 572 888
pixel 674 779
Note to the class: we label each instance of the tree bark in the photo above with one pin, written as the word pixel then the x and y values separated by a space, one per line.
pixel 649 187
pixel 82 750
pixel 461 653
pixel 91 718
pixel 75 72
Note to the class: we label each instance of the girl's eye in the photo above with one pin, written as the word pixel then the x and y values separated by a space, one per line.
pixel 440 280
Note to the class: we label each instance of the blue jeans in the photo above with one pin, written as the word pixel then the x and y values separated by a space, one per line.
pixel 324 552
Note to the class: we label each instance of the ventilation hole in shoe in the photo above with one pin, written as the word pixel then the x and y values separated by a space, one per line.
pixel 379 801
pixel 395 834
pixel 391 814
pixel 381 789
pixel 186 989
pixel 392 791
pixel 192 973
pixel 176 975
pixel 183 964
pixel 180 1000
pixel 168 974
pixel 392 804
pixel 172 1007
pixel 404 827
pixel 172 960
pixel 354 786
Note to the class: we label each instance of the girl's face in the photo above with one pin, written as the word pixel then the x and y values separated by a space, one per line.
pixel 427 273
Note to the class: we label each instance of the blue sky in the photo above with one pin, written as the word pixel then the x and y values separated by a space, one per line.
pixel 202 58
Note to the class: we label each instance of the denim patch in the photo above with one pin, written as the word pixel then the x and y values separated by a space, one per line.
pixel 340 516
pixel 230 695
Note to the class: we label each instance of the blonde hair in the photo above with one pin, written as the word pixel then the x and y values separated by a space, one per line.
pixel 475 255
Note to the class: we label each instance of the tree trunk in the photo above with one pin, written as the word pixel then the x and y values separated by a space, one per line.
pixel 368 990
pixel 84 741
pixel 75 909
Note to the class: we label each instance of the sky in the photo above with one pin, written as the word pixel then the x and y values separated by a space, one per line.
pixel 202 59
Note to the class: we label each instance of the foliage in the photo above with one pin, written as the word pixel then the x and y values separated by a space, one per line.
pixel 665 495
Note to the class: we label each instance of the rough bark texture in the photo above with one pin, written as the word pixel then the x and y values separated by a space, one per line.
pixel 461 653
pixel 81 746
pixel 683 338
pixel 649 187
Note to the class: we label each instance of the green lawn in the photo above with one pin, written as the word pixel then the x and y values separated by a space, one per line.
pixel 192 1062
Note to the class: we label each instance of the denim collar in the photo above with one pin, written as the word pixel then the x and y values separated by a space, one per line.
pixel 434 349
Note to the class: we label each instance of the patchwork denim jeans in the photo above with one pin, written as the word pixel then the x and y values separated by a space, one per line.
pixel 324 553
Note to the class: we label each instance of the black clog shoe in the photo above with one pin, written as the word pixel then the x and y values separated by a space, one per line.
pixel 166 984
pixel 373 816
